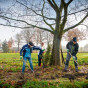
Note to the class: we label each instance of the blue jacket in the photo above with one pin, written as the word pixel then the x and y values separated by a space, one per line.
pixel 27 50
pixel 38 48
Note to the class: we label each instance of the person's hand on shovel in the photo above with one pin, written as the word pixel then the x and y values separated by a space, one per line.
pixel 21 57
pixel 67 50
pixel 73 58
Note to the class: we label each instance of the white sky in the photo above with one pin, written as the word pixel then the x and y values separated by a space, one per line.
pixel 8 32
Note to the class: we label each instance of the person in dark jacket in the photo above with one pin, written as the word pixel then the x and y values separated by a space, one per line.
pixel 25 53
pixel 72 50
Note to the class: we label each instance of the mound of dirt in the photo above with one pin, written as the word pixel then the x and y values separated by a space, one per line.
pixel 69 76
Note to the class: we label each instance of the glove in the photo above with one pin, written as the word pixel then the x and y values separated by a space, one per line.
pixel 73 57
pixel 21 57
pixel 43 50
pixel 67 50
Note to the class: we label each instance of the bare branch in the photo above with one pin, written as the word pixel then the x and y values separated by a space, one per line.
pixel 57 8
pixel 65 17
pixel 69 2
pixel 52 5
pixel 85 25
pixel 14 26
pixel 28 24
pixel 78 11
pixel 61 6
pixel 76 24
pixel 35 11
pixel 44 18
pixel 48 17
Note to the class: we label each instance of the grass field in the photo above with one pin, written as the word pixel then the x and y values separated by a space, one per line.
pixel 11 66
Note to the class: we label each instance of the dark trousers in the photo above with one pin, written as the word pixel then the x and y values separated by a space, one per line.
pixel 67 62
pixel 39 60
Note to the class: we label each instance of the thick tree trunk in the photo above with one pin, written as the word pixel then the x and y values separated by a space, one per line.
pixel 55 58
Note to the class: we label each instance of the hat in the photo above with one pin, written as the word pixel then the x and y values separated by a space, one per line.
pixel 31 43
pixel 75 39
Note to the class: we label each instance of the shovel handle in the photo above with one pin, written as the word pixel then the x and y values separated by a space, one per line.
pixel 73 59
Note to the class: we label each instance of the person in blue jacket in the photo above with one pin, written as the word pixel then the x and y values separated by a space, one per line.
pixel 25 53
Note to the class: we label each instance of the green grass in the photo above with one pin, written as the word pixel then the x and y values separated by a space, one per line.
pixel 11 62
pixel 46 84
pixel 38 84
pixel 2 85
pixel 75 84
pixel 82 58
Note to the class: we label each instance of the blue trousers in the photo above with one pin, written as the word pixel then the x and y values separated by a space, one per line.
pixel 67 62
pixel 24 63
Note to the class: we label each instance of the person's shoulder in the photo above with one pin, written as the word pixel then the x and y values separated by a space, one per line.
pixel 26 45
pixel 77 44
pixel 39 45
pixel 70 42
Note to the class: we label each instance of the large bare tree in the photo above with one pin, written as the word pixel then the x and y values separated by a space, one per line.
pixel 54 16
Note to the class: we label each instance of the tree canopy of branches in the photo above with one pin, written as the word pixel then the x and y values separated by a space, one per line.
pixel 80 34
pixel 27 34
pixel 54 16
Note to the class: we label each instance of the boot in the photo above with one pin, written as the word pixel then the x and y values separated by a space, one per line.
pixel 76 69
pixel 64 70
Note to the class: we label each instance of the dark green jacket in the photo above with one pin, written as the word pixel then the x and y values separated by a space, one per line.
pixel 73 48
